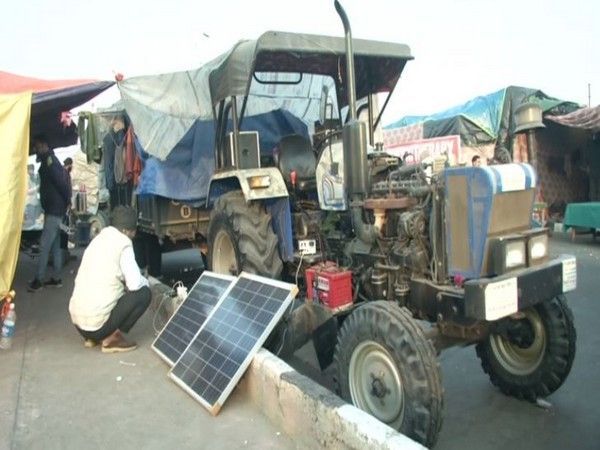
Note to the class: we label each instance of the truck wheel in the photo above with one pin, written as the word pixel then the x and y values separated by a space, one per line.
pixel 98 222
pixel 386 366
pixel 240 238
pixel 535 359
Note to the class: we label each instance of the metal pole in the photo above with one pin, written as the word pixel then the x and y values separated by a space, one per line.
pixel 531 150
pixel 234 120
pixel 351 83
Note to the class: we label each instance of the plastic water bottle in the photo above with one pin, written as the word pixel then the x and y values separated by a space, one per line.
pixel 8 328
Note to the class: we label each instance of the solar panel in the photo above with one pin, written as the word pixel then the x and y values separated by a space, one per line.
pixel 219 354
pixel 190 316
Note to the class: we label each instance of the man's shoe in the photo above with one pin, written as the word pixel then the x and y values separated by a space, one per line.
pixel 54 282
pixel 118 346
pixel 90 343
pixel 35 285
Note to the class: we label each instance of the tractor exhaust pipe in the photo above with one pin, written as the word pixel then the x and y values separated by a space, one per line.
pixel 354 135
pixel 350 76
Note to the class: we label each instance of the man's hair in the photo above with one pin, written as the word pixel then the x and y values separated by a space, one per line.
pixel 124 218
pixel 475 158
pixel 40 137
pixel 68 162
pixel 503 155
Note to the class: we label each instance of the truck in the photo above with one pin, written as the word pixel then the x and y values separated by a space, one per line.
pixel 395 262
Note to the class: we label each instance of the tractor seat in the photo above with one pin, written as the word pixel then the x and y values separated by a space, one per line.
pixel 296 154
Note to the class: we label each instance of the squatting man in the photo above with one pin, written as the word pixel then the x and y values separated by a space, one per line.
pixel 110 293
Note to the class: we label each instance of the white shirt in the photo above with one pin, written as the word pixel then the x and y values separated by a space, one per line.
pixel 134 279
pixel 107 270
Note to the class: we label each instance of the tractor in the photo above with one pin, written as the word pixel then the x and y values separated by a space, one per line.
pixel 405 259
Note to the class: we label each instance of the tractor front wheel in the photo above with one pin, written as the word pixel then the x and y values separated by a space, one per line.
pixel 531 356
pixel 386 366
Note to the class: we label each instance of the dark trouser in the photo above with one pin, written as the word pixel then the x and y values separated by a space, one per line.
pixel 124 315
pixel 50 243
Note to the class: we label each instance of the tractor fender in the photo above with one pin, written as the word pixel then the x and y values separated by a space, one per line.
pixel 269 184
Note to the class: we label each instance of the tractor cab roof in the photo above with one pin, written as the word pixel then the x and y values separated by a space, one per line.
pixel 378 65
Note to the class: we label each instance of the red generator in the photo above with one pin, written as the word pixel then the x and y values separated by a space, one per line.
pixel 330 285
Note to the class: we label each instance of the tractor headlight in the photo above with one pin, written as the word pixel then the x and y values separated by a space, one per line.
pixel 509 253
pixel 514 254
pixel 537 248
pixel 259 181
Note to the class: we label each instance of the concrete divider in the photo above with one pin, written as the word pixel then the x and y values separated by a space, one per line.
pixel 307 412
pixel 312 415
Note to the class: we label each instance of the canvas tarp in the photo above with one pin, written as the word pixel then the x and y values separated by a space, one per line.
pixel 50 99
pixel 15 110
pixel 485 119
pixel 173 113
pixel 173 122
pixel 185 173
pixel 88 175
pixel 584 118
pixel 164 107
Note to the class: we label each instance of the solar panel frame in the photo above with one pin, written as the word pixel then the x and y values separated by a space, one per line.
pixel 175 316
pixel 215 407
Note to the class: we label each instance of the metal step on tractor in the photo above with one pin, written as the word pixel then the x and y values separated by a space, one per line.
pixel 395 262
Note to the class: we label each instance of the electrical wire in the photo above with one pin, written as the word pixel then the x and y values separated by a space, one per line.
pixel 166 295
pixel 299 266
pixel 291 308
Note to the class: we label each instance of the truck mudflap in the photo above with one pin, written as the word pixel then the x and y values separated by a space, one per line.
pixel 493 298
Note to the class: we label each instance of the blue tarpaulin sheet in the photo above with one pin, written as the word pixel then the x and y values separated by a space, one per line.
pixel 484 111
pixel 184 175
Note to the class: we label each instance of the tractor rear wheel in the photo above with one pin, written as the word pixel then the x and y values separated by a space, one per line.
pixel 240 238
pixel 386 366
pixel 535 356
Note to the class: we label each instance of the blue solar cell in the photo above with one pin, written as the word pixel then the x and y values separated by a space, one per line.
pixel 219 354
pixel 190 316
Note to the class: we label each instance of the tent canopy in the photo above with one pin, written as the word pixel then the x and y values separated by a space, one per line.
pixel 485 119
pixel 14 141
pixel 585 118
pixel 50 99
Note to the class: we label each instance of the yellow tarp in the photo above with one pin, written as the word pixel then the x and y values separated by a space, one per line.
pixel 15 112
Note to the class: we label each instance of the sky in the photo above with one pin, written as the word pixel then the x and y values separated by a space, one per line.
pixel 462 48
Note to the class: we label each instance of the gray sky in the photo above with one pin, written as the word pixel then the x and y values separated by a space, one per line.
pixel 462 48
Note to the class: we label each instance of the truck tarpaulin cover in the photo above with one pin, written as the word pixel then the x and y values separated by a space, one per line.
pixel 14 144
pixel 484 119
pixel 173 120
pixel 171 111
pixel 185 173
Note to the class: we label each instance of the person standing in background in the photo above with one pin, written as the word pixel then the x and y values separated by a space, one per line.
pixel 55 197
pixel 64 235
pixel 476 161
